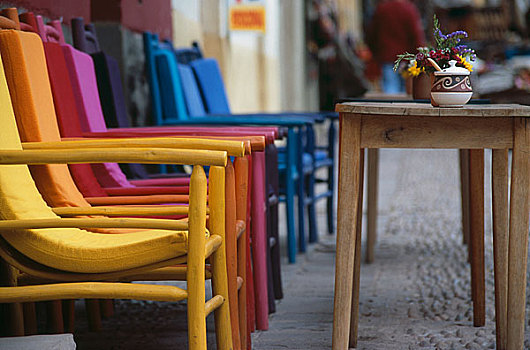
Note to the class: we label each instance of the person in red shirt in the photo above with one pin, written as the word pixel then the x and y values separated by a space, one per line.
pixel 396 28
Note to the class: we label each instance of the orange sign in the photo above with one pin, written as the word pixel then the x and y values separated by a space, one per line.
pixel 247 18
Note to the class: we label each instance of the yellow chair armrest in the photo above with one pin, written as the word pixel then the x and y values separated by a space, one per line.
pixel 234 148
pixel 124 211
pixel 103 155
pixel 92 290
pixel 158 224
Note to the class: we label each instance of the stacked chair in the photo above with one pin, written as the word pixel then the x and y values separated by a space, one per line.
pixel 97 128
pixel 23 54
pixel 259 226
pixel 57 96
pixel 55 254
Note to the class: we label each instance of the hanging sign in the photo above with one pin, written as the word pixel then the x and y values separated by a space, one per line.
pixel 247 15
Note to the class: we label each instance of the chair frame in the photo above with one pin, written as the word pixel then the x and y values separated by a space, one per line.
pixel 198 308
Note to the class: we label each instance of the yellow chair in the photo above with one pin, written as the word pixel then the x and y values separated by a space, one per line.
pixel 59 259
pixel 27 77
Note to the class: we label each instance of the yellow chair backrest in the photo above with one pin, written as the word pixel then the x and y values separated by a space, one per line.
pixel 68 249
pixel 27 78
pixel 19 197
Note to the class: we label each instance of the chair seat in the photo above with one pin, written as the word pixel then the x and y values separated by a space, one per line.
pixel 82 251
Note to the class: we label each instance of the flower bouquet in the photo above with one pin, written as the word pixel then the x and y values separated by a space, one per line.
pixel 448 64
pixel 446 48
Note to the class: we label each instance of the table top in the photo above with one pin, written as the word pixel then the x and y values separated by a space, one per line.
pixel 426 110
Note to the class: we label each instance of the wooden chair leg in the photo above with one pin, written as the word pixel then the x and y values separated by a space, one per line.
pixel 518 236
pixel 15 316
pixel 302 244
pixel 241 167
pixel 331 178
pixel 16 320
pixel 270 283
pixel 464 191
pixel 195 275
pixel 476 197
pixel 276 256
pixel 218 259
pixel 69 315
pixel 30 318
pixel 290 193
pixel 251 305
pixel 93 312
pixel 54 312
pixel 107 307
pixel 273 175
pixel 354 327
pixel 259 244
pixel 371 211
pixel 311 208
pixel 499 177
pixel 231 251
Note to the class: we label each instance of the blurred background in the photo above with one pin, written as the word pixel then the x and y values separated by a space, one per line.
pixel 295 54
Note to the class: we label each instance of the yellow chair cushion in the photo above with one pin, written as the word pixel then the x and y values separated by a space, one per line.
pixel 68 249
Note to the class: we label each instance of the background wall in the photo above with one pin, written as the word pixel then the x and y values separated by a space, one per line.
pixel 249 61
pixel 262 72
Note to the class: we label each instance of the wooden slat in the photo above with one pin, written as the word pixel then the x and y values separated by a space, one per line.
pixel 423 109
pixel 100 155
pixel 213 304
pixel 433 132
pixel 233 148
pixel 160 224
pixel 138 200
pixel 94 290
pixel 123 211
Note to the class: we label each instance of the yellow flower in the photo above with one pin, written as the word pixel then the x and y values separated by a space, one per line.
pixel 414 70
pixel 465 63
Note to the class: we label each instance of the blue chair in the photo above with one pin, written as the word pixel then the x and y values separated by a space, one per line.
pixel 170 107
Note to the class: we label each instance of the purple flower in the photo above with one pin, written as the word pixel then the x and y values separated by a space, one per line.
pixel 441 35
pixel 420 56
pixel 457 34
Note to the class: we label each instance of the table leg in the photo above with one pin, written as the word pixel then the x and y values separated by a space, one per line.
pixel 499 179
pixel 518 236
pixel 349 165
pixel 371 211
pixel 476 197
pixel 464 190
pixel 354 314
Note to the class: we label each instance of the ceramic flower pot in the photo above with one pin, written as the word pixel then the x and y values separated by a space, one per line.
pixel 421 87
pixel 451 87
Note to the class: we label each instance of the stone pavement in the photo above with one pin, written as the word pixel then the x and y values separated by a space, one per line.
pixel 416 295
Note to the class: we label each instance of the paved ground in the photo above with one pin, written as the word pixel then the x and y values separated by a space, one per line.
pixel 415 295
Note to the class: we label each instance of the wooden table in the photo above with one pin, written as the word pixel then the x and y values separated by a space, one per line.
pixel 411 125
